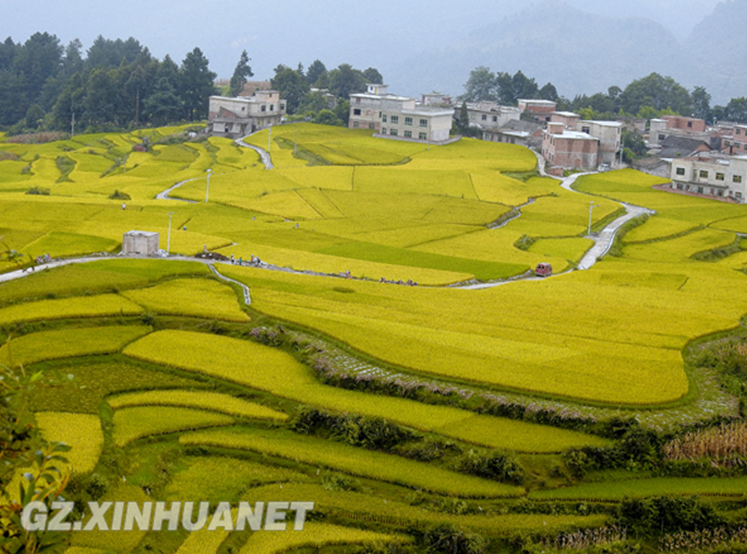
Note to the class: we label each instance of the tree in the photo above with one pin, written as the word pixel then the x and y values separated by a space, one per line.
pixel 548 92
pixel 292 88
pixel 656 92
pixel 196 85
pixel 240 74
pixel 162 106
pixel 523 87
pixel 373 76
pixel 736 110
pixel 481 85
pixel 327 117
pixel 314 72
pixel 344 80
pixel 702 104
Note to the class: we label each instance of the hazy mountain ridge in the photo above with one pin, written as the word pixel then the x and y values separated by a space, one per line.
pixel 583 53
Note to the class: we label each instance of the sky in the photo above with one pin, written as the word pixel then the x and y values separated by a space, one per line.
pixel 292 31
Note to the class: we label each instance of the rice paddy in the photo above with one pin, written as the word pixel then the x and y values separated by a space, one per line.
pixel 167 393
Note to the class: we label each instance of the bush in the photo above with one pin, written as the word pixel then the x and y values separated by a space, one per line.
pixel 450 540
pixel 119 195
pixel 42 191
pixel 664 514
pixel 497 467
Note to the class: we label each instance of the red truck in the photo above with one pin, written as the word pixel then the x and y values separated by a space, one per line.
pixel 543 270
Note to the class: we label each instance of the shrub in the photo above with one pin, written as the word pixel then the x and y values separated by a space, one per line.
pixel 119 195
pixel 497 467
pixel 41 191
pixel 450 540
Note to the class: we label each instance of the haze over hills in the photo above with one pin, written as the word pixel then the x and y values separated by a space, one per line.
pixel 585 53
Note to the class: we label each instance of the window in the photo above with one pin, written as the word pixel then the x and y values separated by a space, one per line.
pixel 726 143
pixel 739 131
pixel 736 178
pixel 720 192
pixel 586 130
pixel 383 118
pixel 738 195
pixel 356 111
pixel 408 134
pixel 372 126
pixel 662 137
pixel 679 186
pixel 355 124
pixel 408 121
pixel 680 171
pixel 495 119
pixel 263 108
pixel 424 123
pixel 703 174
pixel 719 176
pixel 422 136
pixel 700 190
pixel 394 119
pixel 393 132
pixel 272 107
pixel 484 117
pixel 689 123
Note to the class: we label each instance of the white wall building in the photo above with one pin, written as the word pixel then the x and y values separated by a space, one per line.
pixel 240 116
pixel 718 176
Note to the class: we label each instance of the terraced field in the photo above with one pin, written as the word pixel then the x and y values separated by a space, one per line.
pixel 398 410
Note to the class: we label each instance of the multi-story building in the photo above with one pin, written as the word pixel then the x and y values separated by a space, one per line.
pixel 488 116
pixel 572 143
pixel 711 175
pixel 568 149
pixel 676 125
pixel 417 123
pixel 240 116
pixel 392 116
pixel 540 109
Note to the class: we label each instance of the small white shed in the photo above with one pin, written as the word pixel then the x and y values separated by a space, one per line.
pixel 140 242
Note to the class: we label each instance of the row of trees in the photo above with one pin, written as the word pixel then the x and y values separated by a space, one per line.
pixel 118 83
pixel 45 86
pixel 648 97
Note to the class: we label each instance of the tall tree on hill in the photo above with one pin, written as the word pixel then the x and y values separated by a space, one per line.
pixel 702 104
pixel 240 74
pixel 373 76
pixel 197 85
pixel 481 85
pixel 314 72
pixel 657 92
pixel 292 87
pixel 344 80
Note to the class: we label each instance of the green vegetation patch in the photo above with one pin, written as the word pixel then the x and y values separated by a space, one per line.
pixel 142 421
pixel 348 459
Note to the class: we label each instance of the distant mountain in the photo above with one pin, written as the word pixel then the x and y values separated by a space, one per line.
pixel 718 45
pixel 578 52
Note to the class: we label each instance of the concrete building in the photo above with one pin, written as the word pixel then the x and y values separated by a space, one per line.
pixel 520 131
pixel 568 149
pixel 424 124
pixel 540 109
pixel 609 134
pixel 393 116
pixel 366 107
pixel 140 242
pixel 711 175
pixel 676 125
pixel 488 115
pixel 240 116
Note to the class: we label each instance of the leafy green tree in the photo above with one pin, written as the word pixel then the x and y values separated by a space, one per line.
pixel 736 110
pixel 523 87
pixel 702 104
pixel 292 88
pixel 373 76
pixel 345 80
pixel 162 107
pixel 656 92
pixel 312 103
pixel 548 92
pixel 315 72
pixel 327 117
pixel 196 85
pixel 240 74
pixel 481 85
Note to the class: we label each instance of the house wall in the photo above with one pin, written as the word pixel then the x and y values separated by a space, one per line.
pixel 685 123
pixel 570 150
pixel 721 177
pixel 140 242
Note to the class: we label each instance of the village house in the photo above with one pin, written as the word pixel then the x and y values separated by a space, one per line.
pixel 488 116
pixel 540 110
pixel 711 175
pixel 392 116
pixel 518 131
pixel 240 116
pixel 572 143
